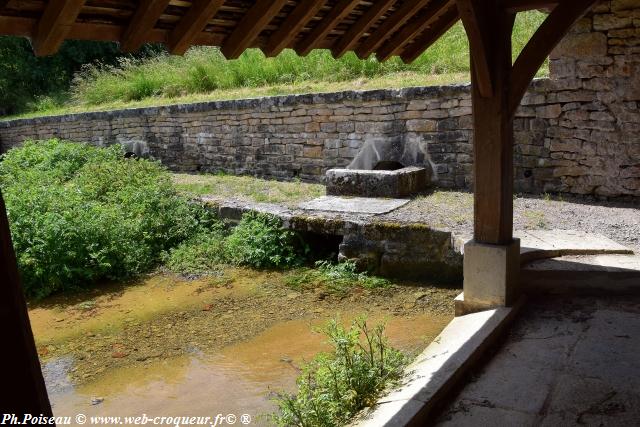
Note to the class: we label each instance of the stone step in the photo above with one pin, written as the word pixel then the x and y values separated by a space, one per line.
pixel 591 274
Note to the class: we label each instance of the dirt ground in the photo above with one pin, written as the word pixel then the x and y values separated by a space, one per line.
pixel 164 316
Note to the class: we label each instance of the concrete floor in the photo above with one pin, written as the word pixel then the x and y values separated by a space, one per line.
pixel 567 361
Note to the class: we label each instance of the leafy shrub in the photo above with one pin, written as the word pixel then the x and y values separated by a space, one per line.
pixel 199 255
pixel 259 241
pixel 334 387
pixel 335 277
pixel 79 214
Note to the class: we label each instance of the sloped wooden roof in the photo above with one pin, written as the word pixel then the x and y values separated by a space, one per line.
pixel 384 27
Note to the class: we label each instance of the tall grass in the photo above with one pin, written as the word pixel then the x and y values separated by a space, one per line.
pixel 204 70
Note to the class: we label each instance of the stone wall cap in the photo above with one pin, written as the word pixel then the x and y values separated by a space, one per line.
pixel 409 93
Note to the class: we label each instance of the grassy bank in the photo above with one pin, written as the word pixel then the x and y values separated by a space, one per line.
pixel 204 74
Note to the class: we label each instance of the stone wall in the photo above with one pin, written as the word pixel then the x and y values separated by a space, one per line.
pixel 280 137
pixel 578 132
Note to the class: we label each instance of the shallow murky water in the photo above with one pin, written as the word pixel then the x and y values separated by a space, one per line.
pixel 237 380
pixel 166 346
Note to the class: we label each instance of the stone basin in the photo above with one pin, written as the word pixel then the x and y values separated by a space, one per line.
pixel 403 182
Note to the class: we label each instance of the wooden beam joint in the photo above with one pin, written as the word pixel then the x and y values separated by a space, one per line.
pixel 142 23
pixel 55 23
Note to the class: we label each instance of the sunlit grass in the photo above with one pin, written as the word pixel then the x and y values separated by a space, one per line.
pixel 248 188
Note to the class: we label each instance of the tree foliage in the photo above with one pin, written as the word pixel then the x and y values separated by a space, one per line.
pixel 26 80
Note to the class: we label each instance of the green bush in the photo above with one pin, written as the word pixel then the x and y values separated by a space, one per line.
pixel 259 241
pixel 199 255
pixel 334 387
pixel 80 214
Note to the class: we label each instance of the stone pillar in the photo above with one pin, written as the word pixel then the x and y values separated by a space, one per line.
pixel 491 276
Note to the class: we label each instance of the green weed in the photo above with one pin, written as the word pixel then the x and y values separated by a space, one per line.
pixel 335 386
pixel 259 241
pixel 337 278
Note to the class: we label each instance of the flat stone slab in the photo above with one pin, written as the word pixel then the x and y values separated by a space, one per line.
pixel 541 244
pixel 537 244
pixel 567 362
pixel 359 205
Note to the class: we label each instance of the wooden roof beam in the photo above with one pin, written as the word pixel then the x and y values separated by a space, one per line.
pixel 389 26
pixel 425 19
pixel 54 25
pixel 545 39
pixel 192 24
pixel 515 6
pixel 143 22
pixel 335 15
pixel 11 25
pixel 478 30
pixel 291 27
pixel 251 26
pixel 419 45
pixel 351 37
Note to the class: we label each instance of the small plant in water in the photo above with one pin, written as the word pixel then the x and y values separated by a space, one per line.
pixel 335 386
pixel 335 277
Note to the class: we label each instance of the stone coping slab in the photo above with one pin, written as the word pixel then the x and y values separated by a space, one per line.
pixel 440 367
pixel 358 205
pixel 543 244
pixel 552 243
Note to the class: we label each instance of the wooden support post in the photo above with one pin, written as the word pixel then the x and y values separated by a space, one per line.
pixel 491 261
pixel 23 390
pixel 493 127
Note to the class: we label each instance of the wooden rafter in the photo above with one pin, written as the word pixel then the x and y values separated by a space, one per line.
pixel 293 24
pixel 422 43
pixel 389 26
pixel 335 15
pixel 351 37
pixel 192 24
pixel 250 26
pixel 427 18
pixel 478 29
pixel 54 25
pixel 515 6
pixel 143 21
pixel 552 30
pixel 102 32
pixel 24 27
